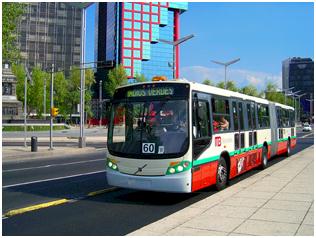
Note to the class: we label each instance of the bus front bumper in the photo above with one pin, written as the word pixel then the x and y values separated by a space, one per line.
pixel 176 183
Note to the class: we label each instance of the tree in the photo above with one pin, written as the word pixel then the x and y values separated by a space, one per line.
pixel 60 93
pixel 230 85
pixel 72 98
pixel 250 90
pixel 116 77
pixel 36 91
pixel 140 78
pixel 19 72
pixel 89 80
pixel 272 94
pixel 11 13
pixel 208 82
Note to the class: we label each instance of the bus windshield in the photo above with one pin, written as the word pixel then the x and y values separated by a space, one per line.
pixel 151 130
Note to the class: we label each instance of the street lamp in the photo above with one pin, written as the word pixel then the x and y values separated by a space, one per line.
pixel 83 6
pixel 310 105
pixel 285 92
pixel 226 65
pixel 175 44
pixel 27 77
pixel 299 105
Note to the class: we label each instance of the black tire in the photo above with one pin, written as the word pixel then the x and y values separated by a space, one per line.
pixel 264 158
pixel 288 148
pixel 221 174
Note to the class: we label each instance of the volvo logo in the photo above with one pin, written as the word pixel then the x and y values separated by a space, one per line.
pixel 140 169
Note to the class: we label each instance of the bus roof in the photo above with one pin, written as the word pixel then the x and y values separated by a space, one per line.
pixel 214 90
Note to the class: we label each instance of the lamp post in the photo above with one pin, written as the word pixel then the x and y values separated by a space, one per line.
pixel 100 102
pixel 311 100
pixel 226 65
pixel 27 77
pixel 299 105
pixel 175 44
pixel 285 92
pixel 83 6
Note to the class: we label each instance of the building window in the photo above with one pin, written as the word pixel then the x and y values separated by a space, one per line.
pixel 137 25
pixel 137 16
pixel 128 15
pixel 127 43
pixel 127 34
pixel 136 53
pixel 146 26
pixel 6 88
pixel 127 62
pixel 128 6
pixel 137 7
pixel 127 24
pixel 154 9
pixel 136 44
pixel 146 17
pixel 128 53
pixel 137 34
pixel 145 35
pixel 146 8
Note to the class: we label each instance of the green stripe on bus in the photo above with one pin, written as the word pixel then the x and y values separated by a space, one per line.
pixel 235 152
pixel 206 160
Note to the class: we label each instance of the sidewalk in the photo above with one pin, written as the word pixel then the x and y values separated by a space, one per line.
pixel 20 153
pixel 275 201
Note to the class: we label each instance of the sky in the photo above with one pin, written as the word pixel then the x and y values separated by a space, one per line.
pixel 262 35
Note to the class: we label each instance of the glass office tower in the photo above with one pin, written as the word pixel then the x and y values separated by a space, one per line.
pixel 127 33
pixel 299 73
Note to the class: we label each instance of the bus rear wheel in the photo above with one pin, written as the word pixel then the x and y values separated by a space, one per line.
pixel 221 174
pixel 288 148
pixel 264 160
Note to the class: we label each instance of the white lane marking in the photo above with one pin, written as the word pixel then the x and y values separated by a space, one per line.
pixel 52 179
pixel 52 165
pixel 306 135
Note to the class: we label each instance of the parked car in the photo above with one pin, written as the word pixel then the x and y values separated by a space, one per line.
pixel 307 127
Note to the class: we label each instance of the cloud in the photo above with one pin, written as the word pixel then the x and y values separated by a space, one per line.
pixel 240 76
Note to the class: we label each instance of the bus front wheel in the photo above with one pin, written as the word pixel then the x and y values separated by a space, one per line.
pixel 221 175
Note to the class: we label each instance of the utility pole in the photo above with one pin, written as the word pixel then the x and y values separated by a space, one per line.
pixel 51 107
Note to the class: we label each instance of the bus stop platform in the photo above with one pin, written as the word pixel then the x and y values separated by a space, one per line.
pixel 276 201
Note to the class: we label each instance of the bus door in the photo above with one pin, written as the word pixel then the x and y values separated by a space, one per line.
pixel 274 129
pixel 252 155
pixel 201 140
pixel 239 137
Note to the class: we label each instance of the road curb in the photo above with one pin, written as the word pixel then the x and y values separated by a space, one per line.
pixel 12 154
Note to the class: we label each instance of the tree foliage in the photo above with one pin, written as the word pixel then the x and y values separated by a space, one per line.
pixel 140 78
pixel 11 13
pixel 250 90
pixel 230 85
pixel 208 82
pixel 116 77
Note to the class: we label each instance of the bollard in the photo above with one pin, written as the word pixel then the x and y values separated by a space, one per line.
pixel 34 144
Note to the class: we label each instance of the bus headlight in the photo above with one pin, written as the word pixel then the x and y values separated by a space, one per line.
pixel 178 167
pixel 172 170
pixel 112 164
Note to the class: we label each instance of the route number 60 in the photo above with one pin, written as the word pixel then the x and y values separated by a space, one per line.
pixel 148 148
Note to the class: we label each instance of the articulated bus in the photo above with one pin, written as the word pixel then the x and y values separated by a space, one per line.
pixel 180 136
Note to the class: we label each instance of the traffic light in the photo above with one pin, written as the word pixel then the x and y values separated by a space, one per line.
pixel 54 111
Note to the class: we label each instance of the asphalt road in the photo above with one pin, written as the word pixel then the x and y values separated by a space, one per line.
pixel 116 212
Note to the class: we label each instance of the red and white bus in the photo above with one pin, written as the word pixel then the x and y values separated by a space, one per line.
pixel 180 136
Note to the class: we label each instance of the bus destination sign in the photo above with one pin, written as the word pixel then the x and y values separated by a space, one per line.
pixel 150 92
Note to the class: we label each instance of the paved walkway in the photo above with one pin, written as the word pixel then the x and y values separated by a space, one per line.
pixel 276 201
pixel 14 153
